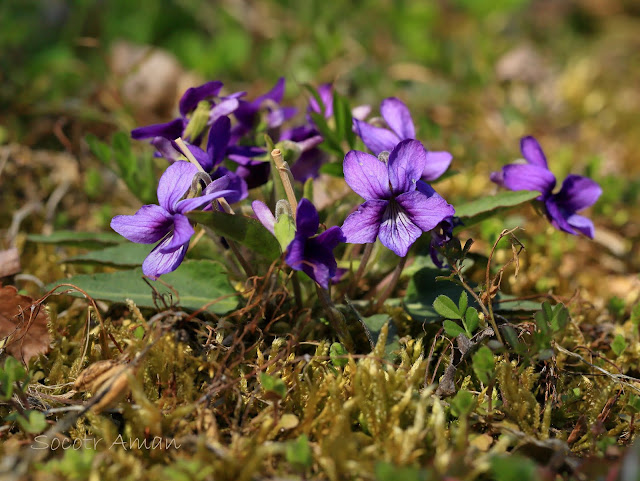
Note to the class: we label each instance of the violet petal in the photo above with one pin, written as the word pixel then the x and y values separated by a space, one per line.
pixel 528 177
pixel 582 224
pixel 425 212
pixel 398 117
pixel 219 137
pixel 363 225
pixel 437 164
pixel 532 152
pixel 264 215
pixel 174 183
pixel 150 224
pixel 169 130
pixel 193 95
pixel 406 164
pixel 307 219
pixel 158 263
pixel 578 193
pixel 375 138
pixel 366 175
pixel 182 232
pixel 397 232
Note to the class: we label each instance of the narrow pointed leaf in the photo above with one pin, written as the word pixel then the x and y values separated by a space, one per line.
pixel 196 282
pixel 244 230
pixel 478 210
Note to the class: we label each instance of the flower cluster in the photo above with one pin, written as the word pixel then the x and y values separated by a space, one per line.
pixel 223 138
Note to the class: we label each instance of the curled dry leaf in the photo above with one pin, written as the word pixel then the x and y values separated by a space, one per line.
pixel 91 373
pixel 23 325
pixel 106 379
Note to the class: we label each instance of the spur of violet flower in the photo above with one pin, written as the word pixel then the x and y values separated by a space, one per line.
pixel 167 222
pixel 398 206
pixel 307 252
pixel 576 193
pixel 397 116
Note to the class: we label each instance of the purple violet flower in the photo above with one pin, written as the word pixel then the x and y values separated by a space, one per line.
pixel 188 103
pixel 307 252
pixel 398 206
pixel 576 193
pixel 397 116
pixel 247 112
pixel 220 145
pixel 167 222
pixel 311 253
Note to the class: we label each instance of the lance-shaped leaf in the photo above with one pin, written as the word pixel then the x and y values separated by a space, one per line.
pixel 244 230
pixel 126 255
pixel 478 210
pixel 90 240
pixel 196 283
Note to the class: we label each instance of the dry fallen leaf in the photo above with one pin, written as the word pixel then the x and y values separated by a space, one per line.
pixel 23 330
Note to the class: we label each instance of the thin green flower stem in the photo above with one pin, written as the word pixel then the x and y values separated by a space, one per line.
pixel 336 319
pixel 297 292
pixel 392 285
pixel 363 264
pixel 285 177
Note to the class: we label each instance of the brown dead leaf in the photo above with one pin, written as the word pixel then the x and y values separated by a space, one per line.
pixel 9 262
pixel 23 330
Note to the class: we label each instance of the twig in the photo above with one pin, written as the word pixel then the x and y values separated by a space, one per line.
pixel 619 378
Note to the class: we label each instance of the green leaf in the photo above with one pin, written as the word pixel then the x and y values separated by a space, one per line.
pixel 101 150
pixel 634 403
pixel 635 314
pixel 471 320
pixel 423 290
pixel 462 403
pixel 388 472
pixel 374 326
pixel 126 255
pixel 197 283
pixel 513 468
pixel 452 329
pixel 560 318
pixel 619 344
pixel 462 303
pixel 338 355
pixel 273 385
pixel 12 371
pixel 299 453
pixel 331 141
pixel 478 210
pixel 285 230
pixel 136 171
pixel 244 230
pixel 444 306
pixel 307 190
pixel 484 364
pixel 512 339
pixel 34 422
pixel 343 119
pixel 79 239
pixel 333 169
